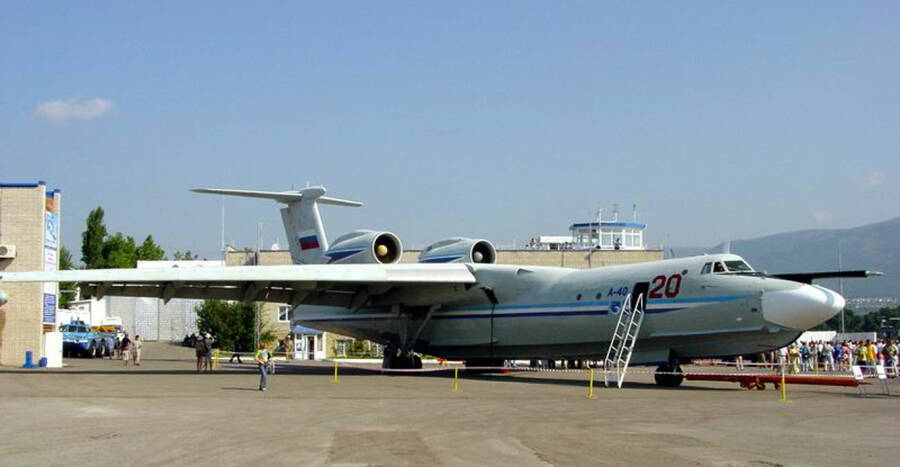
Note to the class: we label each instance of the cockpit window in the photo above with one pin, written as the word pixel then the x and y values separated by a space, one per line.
pixel 732 267
pixel 706 268
pixel 738 266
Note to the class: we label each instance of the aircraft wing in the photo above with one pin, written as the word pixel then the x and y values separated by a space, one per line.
pixel 808 277
pixel 335 284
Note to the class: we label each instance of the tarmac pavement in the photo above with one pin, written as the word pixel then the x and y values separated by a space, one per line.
pixel 98 412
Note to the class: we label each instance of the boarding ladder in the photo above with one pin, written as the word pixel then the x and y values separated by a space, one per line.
pixel 624 338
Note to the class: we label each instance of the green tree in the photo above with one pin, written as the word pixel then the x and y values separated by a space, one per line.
pixel 186 256
pixel 119 251
pixel 869 322
pixel 150 251
pixel 232 321
pixel 92 240
pixel 66 289
pixel 875 320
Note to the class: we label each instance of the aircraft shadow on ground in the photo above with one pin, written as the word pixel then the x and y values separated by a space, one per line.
pixel 598 383
pixel 322 370
pixel 123 371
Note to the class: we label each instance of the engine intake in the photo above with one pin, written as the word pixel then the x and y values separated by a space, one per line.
pixel 365 246
pixel 459 250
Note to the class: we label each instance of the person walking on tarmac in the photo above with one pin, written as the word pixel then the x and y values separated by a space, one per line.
pixel 126 348
pixel 137 345
pixel 262 360
pixel 235 349
pixel 208 351
pixel 200 349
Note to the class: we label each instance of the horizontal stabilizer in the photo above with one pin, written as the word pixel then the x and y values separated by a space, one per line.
pixel 808 277
pixel 286 197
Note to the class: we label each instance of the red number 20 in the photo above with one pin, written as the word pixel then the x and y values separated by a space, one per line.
pixel 670 286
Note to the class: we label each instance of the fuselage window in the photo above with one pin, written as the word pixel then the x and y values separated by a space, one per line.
pixel 719 267
pixel 706 268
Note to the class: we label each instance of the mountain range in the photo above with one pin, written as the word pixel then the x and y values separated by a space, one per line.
pixel 873 247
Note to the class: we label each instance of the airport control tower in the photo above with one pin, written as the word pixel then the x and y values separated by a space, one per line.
pixel 598 234
pixel 611 234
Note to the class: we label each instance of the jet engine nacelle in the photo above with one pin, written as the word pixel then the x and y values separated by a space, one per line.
pixel 365 246
pixel 459 250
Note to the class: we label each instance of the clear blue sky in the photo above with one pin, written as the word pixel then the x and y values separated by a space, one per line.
pixel 501 120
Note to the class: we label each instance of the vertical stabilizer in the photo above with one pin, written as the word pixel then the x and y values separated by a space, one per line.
pixel 302 222
pixel 304 229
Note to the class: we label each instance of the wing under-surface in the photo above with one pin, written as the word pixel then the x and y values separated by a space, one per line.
pixel 337 285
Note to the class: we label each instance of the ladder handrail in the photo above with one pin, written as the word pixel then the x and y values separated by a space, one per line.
pixel 625 305
pixel 625 336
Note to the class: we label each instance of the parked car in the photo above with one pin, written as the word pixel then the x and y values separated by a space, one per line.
pixel 79 340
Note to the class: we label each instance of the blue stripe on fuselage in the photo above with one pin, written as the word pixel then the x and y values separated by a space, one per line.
pixel 601 307
pixel 588 303
pixel 597 312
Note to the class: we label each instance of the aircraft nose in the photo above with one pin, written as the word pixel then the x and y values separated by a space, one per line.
pixel 801 308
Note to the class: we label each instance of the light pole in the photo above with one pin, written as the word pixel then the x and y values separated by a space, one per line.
pixel 841 283
pixel 256 326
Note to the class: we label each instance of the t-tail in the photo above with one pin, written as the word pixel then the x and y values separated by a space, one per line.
pixel 302 222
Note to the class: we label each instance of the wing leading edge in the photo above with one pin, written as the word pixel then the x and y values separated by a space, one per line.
pixel 809 277
pixel 337 285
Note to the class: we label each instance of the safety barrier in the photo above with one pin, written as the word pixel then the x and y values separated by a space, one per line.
pixel 780 374
pixel 779 377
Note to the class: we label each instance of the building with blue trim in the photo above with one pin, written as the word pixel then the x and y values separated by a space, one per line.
pixel 29 241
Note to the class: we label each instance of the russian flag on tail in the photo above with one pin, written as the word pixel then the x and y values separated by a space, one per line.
pixel 310 242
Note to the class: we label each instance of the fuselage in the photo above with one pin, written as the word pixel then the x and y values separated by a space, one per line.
pixel 698 307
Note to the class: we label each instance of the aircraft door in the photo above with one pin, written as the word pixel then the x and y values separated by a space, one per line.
pixel 640 290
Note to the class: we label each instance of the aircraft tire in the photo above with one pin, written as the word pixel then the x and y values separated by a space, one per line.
pixel 664 379
pixel 402 362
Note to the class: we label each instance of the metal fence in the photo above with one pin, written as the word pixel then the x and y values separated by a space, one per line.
pixel 154 320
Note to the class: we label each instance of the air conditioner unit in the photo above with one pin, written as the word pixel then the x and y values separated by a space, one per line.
pixel 7 251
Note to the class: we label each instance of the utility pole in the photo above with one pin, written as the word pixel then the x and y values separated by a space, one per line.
pixel 841 282
pixel 259 227
pixel 256 327
pixel 223 229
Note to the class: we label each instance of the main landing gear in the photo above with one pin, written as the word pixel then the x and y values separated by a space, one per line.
pixel 669 375
pixel 395 358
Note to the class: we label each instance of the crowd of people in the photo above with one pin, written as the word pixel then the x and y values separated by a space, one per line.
pixel 835 356
pixel 128 349
pixel 203 348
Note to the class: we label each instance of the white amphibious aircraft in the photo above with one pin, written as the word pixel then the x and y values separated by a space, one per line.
pixel 458 304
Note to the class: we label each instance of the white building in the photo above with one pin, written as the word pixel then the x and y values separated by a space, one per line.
pixel 150 318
